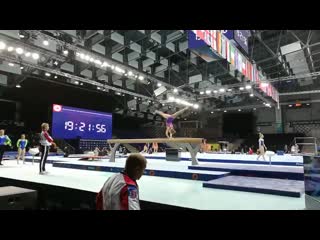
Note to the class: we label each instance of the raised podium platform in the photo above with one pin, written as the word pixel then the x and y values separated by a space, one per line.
pixel 282 187
pixel 15 198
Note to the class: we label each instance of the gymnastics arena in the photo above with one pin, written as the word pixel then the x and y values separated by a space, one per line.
pixel 225 119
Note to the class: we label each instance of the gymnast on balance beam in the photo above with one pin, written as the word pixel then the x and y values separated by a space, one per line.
pixel 169 121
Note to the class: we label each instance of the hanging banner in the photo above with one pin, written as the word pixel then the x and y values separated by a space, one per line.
pixel 228 51
pixel 244 67
pixel 223 47
pixel 228 34
pixel 218 38
pixel 232 55
pixel 241 37
pixel 200 47
pixel 212 45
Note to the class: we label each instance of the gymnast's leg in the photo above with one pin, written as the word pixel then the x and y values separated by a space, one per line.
pixel 172 132
pixel 162 114
pixel 167 132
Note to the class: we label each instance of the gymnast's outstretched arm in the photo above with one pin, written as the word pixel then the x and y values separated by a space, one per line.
pixel 164 115
pixel 180 112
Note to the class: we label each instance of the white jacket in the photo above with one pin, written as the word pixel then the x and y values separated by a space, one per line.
pixel 119 192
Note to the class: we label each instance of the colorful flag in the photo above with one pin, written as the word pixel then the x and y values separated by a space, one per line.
pixel 236 61
pixel 213 44
pixel 232 55
pixel 248 71
pixel 244 67
pixel 228 51
pixel 219 42
pixel 223 47
pixel 239 62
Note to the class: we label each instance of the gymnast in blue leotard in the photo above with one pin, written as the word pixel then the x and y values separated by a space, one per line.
pixel 22 145
pixel 169 121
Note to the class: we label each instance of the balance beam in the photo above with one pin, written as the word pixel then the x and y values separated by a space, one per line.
pixel 184 142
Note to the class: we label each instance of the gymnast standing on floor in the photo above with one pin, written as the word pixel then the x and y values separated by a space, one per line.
pixel 4 142
pixel 46 141
pixel 262 147
pixel 22 145
pixel 169 121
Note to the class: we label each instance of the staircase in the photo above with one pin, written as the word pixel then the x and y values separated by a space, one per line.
pixel 61 144
pixel 130 148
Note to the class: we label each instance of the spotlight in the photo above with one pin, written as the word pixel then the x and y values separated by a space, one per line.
pixel 76 82
pixel 175 90
pixel 141 78
pixel 196 106
pixel 65 52
pixel 135 97
pixel 10 49
pixel 82 56
pixel 308 104
pixel 211 112
pixel 18 86
pixel 171 98
pixel 45 42
pixel 120 70
pixel 112 67
pixel 239 110
pixel 248 87
pixel 254 109
pixel 241 88
pixel 97 62
pixel 81 84
pixel 55 77
pixel 27 54
pixel 201 93
pixel 230 89
pixel 19 50
pixel 87 57
pixel 159 84
pixel 11 64
pixel 130 73
pixel 98 88
pixel 178 100
pixel 21 35
pixel 251 95
pixel 215 91
pixel 268 105
pixel 91 60
pixel 35 56
pixel 225 111
pixel 208 92
pixel 21 67
pixel 2 45
pixel 56 63
pixel 222 90
pixel 48 74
